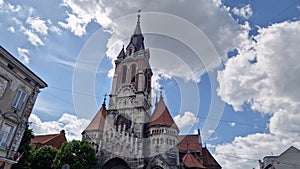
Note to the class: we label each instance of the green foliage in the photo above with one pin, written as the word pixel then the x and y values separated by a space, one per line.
pixel 26 148
pixel 78 154
pixel 43 158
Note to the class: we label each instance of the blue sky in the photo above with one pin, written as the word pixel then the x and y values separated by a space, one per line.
pixel 248 101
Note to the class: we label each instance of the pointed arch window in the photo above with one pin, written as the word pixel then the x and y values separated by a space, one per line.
pixel 124 72
pixel 133 72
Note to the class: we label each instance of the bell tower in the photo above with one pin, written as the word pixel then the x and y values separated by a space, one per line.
pixel 129 104
pixel 131 87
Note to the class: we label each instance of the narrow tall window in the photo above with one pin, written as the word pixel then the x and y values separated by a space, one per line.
pixel 19 99
pixel 5 134
pixel 3 85
pixel 133 72
pixel 124 72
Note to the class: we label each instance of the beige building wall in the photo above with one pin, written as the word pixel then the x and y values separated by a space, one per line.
pixel 19 88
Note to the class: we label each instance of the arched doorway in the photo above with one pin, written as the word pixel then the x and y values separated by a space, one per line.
pixel 156 167
pixel 116 163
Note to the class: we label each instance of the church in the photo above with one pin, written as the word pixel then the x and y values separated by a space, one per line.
pixel 128 134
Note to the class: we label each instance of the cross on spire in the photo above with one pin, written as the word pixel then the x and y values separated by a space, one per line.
pixel 139 16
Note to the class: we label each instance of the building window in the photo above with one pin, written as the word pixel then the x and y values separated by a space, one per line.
pixel 3 85
pixel 124 72
pixel 5 134
pixel 130 51
pixel 19 99
pixel 133 72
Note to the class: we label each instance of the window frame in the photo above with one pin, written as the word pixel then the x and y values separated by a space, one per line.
pixel 19 99
pixel 6 135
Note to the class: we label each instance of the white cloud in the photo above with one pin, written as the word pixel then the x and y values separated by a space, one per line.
pixel 14 8
pixel 38 25
pixel 11 29
pixel 219 32
pixel 187 119
pixel 32 37
pixel 70 123
pixel 53 28
pixel 264 76
pixel 232 124
pixel 245 12
pixel 24 54
pixel 1 2
pixel 84 13
pixel 210 131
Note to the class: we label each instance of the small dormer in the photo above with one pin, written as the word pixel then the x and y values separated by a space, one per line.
pixel 130 50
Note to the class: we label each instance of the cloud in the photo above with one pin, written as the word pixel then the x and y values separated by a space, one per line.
pixel 70 123
pixel 38 25
pixel 11 29
pixel 14 8
pixel 218 33
pixel 32 37
pixel 232 124
pixel 83 13
pixel 245 12
pixel 264 77
pixel 185 120
pixel 24 54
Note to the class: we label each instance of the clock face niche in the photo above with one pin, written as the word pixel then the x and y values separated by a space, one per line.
pixel 3 85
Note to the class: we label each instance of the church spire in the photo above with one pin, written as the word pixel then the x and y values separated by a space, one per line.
pixel 137 29
pixel 137 39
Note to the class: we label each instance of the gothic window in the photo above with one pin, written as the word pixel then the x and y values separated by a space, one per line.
pixel 130 51
pixel 157 140
pixel 5 134
pixel 133 72
pixel 167 141
pixel 3 85
pixel 161 141
pixel 124 72
pixel 19 99
pixel 153 141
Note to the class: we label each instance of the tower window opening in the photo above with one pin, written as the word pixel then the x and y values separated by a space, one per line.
pixel 133 72
pixel 124 72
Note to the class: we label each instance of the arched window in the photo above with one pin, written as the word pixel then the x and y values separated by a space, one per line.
pixel 157 140
pixel 161 141
pixel 124 72
pixel 167 141
pixel 133 72
pixel 130 51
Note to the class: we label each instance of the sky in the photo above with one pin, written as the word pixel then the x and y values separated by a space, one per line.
pixel 229 68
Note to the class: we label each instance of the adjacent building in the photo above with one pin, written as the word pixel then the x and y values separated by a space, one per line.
pixel 128 134
pixel 19 88
pixel 289 159
pixel 53 140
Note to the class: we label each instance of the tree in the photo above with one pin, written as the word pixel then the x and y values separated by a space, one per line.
pixel 43 158
pixel 25 149
pixel 78 154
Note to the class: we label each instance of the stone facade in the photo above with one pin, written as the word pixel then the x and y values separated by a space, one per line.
pixel 19 88
pixel 128 134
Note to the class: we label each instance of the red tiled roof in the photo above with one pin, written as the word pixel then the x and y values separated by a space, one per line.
pixel 162 116
pixel 190 161
pixel 98 121
pixel 54 140
pixel 43 138
pixel 208 159
pixel 189 143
